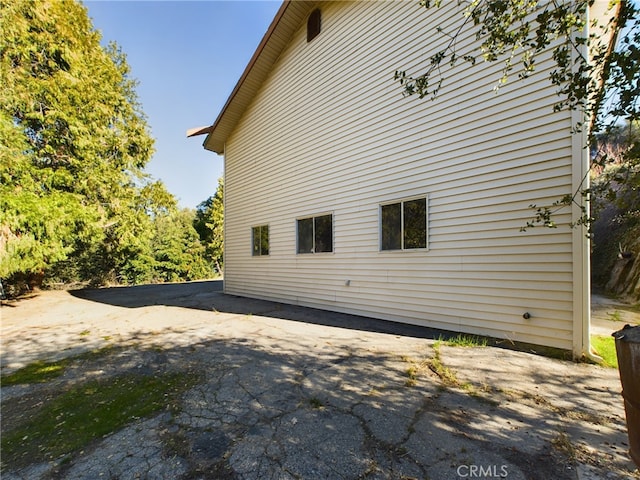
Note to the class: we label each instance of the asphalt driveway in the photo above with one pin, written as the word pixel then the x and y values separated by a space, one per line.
pixel 295 393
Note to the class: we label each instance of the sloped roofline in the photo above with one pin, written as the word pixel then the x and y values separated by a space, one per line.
pixel 287 20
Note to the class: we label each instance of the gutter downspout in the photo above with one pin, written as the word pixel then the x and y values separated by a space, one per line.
pixel 580 162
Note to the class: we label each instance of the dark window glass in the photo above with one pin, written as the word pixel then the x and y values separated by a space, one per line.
pixel 255 234
pixel 264 240
pixel 313 25
pixel 305 235
pixel 391 221
pixel 415 223
pixel 315 234
pixel 323 234
pixel 260 240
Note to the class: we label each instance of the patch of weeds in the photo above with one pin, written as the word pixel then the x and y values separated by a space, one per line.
pixel 562 443
pixel 463 340
pixel 316 402
pixel 616 316
pixel 412 374
pixel 36 372
pixel 84 413
pixel 447 375
pixel 106 338
pixel 414 370
pixel 605 347
pixel 84 333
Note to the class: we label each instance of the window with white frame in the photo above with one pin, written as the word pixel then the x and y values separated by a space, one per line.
pixel 403 225
pixel 315 234
pixel 260 240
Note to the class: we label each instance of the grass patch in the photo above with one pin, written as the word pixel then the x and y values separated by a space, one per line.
pixel 41 371
pixel 605 346
pixel 84 413
pixel 36 372
pixel 463 340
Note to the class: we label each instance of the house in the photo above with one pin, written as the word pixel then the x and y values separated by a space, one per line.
pixel 341 194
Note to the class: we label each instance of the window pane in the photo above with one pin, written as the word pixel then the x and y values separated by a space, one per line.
pixel 415 223
pixel 305 235
pixel 255 239
pixel 391 225
pixel 264 240
pixel 324 233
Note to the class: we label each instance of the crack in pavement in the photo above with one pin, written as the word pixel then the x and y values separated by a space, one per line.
pixel 280 399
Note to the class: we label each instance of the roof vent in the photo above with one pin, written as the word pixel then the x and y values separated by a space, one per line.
pixel 313 25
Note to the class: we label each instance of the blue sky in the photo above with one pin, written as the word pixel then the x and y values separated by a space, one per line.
pixel 187 56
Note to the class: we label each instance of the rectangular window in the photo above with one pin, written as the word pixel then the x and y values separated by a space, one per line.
pixel 260 240
pixel 315 234
pixel 403 225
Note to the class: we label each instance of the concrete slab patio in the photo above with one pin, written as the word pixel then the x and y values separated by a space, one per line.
pixel 296 393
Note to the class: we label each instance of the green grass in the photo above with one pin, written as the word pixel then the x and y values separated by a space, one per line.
pixel 36 372
pixel 84 413
pixel 40 371
pixel 605 346
pixel 463 340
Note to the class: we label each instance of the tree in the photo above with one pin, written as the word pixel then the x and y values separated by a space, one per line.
pixel 209 223
pixel 178 252
pixel 73 139
pixel 590 76
pixel 616 231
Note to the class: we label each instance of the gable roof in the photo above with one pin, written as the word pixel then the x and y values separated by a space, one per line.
pixel 290 16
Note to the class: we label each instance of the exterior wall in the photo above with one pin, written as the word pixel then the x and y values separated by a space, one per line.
pixel 329 132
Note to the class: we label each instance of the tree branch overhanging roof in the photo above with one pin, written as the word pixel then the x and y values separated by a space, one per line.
pixel 290 16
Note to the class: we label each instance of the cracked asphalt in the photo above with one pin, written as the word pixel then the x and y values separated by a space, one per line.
pixel 293 393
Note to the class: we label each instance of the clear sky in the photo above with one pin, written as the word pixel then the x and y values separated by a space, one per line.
pixel 187 56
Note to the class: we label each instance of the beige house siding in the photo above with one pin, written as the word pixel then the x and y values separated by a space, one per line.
pixel 329 132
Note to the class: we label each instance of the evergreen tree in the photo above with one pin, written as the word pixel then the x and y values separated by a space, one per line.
pixel 73 143
pixel 209 223
pixel 178 252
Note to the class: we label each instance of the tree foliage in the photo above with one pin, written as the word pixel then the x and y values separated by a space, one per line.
pixel 178 252
pixel 75 203
pixel 209 223
pixel 616 231
pixel 589 75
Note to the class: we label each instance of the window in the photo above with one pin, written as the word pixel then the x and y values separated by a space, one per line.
pixel 315 234
pixel 403 225
pixel 260 240
pixel 313 25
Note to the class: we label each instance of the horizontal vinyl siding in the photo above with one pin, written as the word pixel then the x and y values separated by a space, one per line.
pixel 330 132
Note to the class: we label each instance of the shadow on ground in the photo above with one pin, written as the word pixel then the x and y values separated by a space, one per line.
pixel 208 296
pixel 282 409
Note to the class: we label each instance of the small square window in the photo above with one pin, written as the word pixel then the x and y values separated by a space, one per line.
pixel 315 234
pixel 403 225
pixel 260 240
pixel 314 24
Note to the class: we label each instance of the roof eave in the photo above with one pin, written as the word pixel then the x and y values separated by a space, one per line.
pixel 285 23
